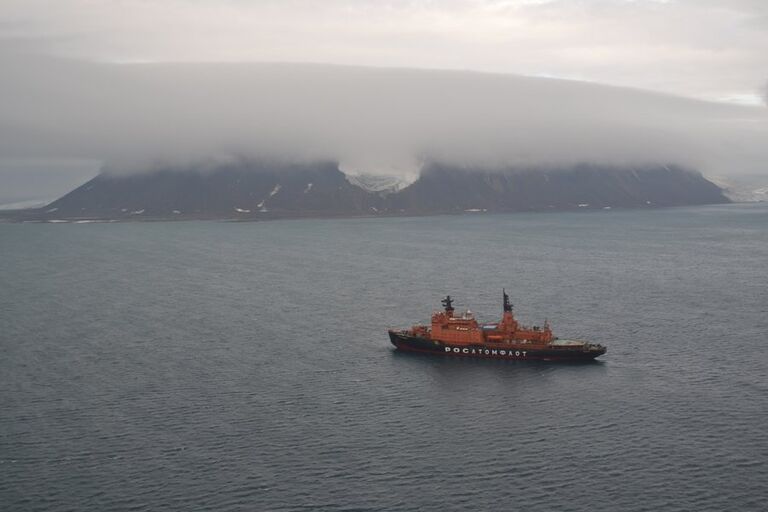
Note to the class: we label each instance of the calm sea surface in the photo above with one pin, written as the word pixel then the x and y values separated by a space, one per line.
pixel 246 366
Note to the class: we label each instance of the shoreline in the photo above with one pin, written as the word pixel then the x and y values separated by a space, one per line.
pixel 37 217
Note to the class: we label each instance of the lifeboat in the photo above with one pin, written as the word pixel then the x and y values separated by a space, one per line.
pixel 461 335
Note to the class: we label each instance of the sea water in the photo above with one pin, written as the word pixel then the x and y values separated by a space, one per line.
pixel 246 366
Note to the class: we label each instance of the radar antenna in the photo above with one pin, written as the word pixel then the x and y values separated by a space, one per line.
pixel 507 305
pixel 448 304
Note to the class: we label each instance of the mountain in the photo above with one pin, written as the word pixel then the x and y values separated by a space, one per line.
pixel 233 190
pixel 258 190
pixel 579 186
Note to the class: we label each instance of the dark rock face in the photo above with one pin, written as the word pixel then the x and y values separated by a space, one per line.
pixel 588 186
pixel 260 190
pixel 226 191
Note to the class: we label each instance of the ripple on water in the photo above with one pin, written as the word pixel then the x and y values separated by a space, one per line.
pixel 210 366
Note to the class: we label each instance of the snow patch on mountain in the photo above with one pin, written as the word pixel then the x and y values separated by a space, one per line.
pixel 742 189
pixel 382 178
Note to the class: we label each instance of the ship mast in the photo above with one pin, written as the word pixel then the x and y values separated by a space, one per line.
pixel 507 305
pixel 508 322
pixel 448 305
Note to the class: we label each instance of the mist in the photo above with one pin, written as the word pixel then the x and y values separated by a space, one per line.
pixel 135 117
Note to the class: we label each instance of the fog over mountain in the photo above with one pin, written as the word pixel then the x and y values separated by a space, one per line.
pixel 135 117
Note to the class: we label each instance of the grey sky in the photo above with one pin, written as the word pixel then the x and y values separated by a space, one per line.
pixel 711 49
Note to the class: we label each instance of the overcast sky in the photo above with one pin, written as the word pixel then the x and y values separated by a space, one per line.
pixel 711 49
pixel 88 81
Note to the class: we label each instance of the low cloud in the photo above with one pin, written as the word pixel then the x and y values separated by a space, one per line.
pixel 136 115
pixel 764 91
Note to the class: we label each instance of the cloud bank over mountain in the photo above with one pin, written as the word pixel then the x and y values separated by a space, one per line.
pixel 133 116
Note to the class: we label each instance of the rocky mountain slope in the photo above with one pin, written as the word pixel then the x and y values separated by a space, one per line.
pixel 255 190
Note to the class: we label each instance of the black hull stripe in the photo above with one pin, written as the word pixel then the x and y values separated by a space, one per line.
pixel 413 344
